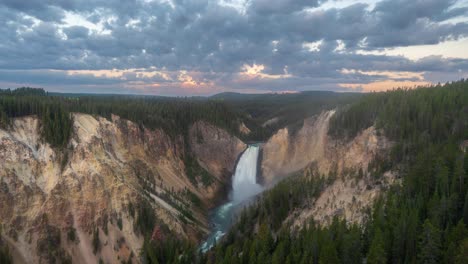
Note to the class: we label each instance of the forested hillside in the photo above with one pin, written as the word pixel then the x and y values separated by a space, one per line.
pixel 421 219
pixel 56 120
pixel 114 180
pixel 173 115
pixel 415 119
pixel 263 114
pixel 266 113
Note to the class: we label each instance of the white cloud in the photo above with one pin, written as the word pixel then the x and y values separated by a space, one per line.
pixel 447 49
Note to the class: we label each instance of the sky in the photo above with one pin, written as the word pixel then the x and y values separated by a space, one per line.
pixel 203 47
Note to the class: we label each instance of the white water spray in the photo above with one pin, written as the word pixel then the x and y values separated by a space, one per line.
pixel 244 182
pixel 244 186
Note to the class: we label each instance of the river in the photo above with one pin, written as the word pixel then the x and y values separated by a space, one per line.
pixel 244 187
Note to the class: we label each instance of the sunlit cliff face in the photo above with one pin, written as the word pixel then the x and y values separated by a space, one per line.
pixel 205 47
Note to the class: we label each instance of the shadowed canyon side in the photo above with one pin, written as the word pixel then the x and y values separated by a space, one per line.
pixel 216 150
pixel 88 197
pixel 311 150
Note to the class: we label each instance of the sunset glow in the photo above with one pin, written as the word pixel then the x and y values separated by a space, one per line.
pixel 205 47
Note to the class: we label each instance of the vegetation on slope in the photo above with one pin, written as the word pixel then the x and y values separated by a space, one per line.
pixel 264 114
pixel 5 256
pixel 173 115
pixel 55 118
pixel 410 117
pixel 269 211
pixel 422 220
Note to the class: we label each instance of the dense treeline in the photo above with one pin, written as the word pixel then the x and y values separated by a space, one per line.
pixel 259 235
pixel 55 118
pixel 173 115
pixel 423 219
pixel 159 246
pixel 410 117
pixel 417 222
pixel 269 211
pixel 338 243
pixel 264 114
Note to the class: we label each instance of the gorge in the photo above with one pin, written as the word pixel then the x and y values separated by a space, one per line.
pixel 244 187
pixel 151 180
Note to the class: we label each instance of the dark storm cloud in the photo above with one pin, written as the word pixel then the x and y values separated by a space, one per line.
pixel 400 14
pixel 217 40
pixel 45 77
pixel 266 7
pixel 76 32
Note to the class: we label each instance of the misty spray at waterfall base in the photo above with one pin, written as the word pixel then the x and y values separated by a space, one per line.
pixel 244 187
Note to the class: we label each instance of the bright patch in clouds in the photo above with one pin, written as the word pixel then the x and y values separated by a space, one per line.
pixel 387 74
pixel 313 46
pixel 73 19
pixel 115 73
pixel 383 85
pixel 256 71
pixel 448 49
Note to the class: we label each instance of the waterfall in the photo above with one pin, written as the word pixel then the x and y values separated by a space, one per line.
pixel 244 181
pixel 244 186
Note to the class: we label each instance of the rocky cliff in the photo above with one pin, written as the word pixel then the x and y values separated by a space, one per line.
pixel 80 203
pixel 215 149
pixel 309 150
pixel 289 151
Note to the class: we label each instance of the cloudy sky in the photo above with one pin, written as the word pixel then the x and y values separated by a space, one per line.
pixel 198 47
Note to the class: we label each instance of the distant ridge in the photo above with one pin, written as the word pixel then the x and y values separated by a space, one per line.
pixel 247 96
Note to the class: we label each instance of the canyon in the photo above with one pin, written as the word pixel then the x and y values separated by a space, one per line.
pixel 62 197
pixel 309 151
pixel 113 165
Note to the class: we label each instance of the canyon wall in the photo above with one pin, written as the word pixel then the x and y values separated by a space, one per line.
pixel 216 150
pixel 289 151
pixel 55 202
pixel 310 151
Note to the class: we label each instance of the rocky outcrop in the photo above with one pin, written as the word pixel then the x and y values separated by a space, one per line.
pixel 288 151
pixel 215 149
pixel 349 197
pixel 244 129
pixel 311 152
pixel 54 202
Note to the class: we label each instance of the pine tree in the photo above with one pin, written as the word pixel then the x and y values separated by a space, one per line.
pixel 454 240
pixel 429 244
pixel 265 237
pixel 465 210
pixel 462 256
pixel 279 254
pixel 96 241
pixel 328 253
pixel 377 254
pixel 352 247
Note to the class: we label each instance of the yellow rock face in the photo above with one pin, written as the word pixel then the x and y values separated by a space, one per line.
pixel 287 152
pixel 311 149
pixel 109 165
